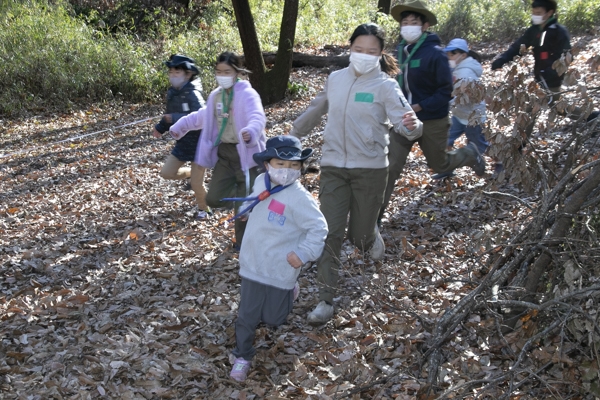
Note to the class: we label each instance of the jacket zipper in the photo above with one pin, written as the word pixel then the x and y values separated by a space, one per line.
pixel 409 97
pixel 344 127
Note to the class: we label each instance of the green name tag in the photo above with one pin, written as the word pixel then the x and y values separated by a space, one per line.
pixel 364 97
pixel 415 63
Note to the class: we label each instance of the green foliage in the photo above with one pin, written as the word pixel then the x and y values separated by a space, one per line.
pixel 295 89
pixel 579 16
pixel 481 20
pixel 50 58
pixel 62 52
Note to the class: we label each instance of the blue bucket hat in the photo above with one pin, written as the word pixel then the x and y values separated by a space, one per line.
pixel 284 147
pixel 457 44
pixel 179 61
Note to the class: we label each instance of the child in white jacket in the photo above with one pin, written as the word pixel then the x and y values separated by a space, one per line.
pixel 285 230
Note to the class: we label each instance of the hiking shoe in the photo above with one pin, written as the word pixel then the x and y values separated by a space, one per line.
pixel 593 116
pixel 442 175
pixel 296 291
pixel 201 214
pixel 321 314
pixel 479 166
pixel 240 369
pixel 378 248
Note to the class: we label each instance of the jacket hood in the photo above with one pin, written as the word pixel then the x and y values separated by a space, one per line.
pixel 467 68
pixel 194 84
pixel 431 40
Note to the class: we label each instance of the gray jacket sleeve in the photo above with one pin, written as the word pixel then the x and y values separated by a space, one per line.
pixel 396 106
pixel 312 116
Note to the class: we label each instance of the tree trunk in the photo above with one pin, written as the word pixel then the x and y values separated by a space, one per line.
pixel 270 85
pixel 384 6
pixel 276 80
pixel 252 54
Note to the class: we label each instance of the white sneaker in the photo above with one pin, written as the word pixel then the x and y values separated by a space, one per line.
pixel 378 248
pixel 321 314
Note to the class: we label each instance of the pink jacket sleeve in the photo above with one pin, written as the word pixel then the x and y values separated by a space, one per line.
pixel 191 122
pixel 254 116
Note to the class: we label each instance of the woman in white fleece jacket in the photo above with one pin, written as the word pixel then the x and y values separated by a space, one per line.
pixel 362 102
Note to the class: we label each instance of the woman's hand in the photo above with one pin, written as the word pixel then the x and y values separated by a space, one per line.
pixel 294 260
pixel 409 120
pixel 246 136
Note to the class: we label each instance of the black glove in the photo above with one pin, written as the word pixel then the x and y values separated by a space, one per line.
pixel 497 64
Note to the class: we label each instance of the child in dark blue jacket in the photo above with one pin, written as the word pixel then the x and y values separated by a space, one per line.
pixel 183 97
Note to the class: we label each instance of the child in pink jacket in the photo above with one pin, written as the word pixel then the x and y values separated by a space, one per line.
pixel 233 129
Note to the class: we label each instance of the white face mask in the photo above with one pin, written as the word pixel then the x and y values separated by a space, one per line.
pixel 537 19
pixel 363 63
pixel 177 81
pixel 411 33
pixel 452 63
pixel 283 176
pixel 225 81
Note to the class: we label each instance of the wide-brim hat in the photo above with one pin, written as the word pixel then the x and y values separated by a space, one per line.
pixel 179 61
pixel 457 44
pixel 414 6
pixel 284 147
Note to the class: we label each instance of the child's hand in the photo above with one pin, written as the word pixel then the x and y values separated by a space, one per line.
pixel 246 136
pixel 175 135
pixel 156 134
pixel 294 260
pixel 409 120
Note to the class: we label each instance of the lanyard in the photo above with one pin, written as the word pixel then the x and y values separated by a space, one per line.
pixel 256 199
pixel 412 52
pixel 225 114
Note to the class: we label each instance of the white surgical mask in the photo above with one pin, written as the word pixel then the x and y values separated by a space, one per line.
pixel 452 63
pixel 283 176
pixel 225 81
pixel 411 33
pixel 177 81
pixel 537 19
pixel 363 63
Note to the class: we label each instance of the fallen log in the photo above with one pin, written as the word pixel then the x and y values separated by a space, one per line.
pixel 311 60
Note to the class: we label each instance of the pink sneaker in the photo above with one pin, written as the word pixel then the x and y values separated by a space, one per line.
pixel 296 291
pixel 240 369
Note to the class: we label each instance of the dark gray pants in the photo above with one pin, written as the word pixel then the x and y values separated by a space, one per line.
pixel 259 303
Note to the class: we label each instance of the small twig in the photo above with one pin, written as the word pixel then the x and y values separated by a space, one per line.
pixel 509 196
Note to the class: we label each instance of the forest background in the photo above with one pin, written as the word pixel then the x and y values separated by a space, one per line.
pixel 108 288
pixel 64 53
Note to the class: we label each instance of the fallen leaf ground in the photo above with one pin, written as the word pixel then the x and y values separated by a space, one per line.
pixel 110 288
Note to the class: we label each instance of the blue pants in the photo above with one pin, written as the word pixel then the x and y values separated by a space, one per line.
pixel 474 134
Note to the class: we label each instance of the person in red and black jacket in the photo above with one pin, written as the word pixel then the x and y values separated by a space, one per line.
pixel 549 40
